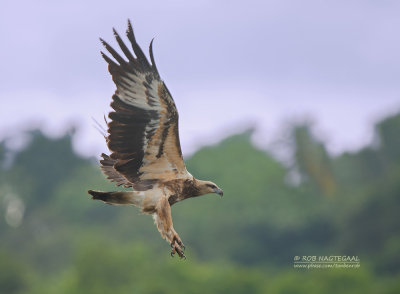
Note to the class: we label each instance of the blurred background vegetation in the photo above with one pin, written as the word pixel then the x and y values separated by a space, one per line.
pixel 54 239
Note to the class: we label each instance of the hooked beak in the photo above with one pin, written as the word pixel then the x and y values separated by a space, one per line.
pixel 219 192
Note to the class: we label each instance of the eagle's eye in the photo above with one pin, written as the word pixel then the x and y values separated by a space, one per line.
pixel 211 186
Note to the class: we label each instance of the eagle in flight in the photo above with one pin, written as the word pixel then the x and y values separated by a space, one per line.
pixel 143 139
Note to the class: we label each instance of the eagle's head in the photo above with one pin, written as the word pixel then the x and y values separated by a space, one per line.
pixel 207 187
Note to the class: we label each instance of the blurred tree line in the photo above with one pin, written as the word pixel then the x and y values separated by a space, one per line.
pixel 54 239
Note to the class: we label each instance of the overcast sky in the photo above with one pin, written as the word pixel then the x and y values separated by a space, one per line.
pixel 228 64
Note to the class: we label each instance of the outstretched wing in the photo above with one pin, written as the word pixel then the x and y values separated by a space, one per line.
pixel 143 131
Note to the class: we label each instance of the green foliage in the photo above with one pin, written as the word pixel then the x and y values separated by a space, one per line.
pixel 46 163
pixel 313 161
pixel 389 138
pixel 13 274
pixel 242 243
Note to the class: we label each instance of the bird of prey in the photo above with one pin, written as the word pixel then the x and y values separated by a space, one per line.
pixel 143 139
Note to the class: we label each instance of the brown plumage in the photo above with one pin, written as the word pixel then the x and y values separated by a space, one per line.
pixel 143 139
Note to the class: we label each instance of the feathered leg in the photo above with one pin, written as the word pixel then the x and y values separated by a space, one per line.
pixel 163 220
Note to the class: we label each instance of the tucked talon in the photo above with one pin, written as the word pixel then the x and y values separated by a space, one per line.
pixel 180 253
pixel 173 251
pixel 172 255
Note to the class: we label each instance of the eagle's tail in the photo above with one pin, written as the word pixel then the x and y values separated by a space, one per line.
pixel 118 198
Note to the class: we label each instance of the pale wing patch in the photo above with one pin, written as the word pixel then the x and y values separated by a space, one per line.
pixel 134 92
pixel 169 163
